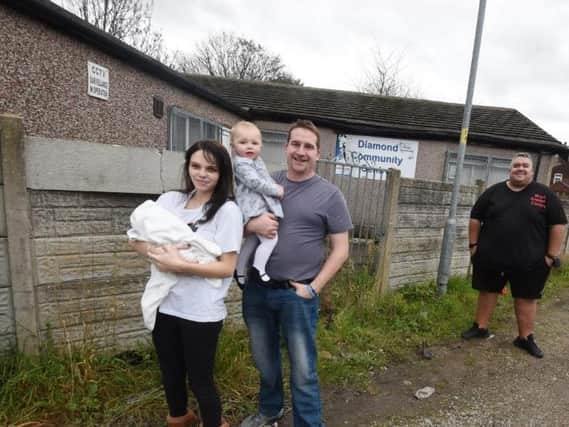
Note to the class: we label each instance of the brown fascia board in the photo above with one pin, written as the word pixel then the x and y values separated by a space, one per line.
pixel 372 129
pixel 68 23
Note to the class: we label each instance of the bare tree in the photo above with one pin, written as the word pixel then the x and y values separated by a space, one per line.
pixel 384 77
pixel 127 20
pixel 227 55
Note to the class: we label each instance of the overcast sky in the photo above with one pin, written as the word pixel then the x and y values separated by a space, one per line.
pixel 524 57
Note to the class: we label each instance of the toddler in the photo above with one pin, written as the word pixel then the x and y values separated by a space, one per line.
pixel 256 193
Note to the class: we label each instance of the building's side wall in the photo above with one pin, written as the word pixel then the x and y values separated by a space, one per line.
pixel 432 156
pixel 421 216
pixel 44 80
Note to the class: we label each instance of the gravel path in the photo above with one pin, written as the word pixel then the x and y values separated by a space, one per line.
pixel 480 383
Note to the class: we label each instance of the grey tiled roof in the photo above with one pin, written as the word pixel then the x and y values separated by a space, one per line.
pixel 380 115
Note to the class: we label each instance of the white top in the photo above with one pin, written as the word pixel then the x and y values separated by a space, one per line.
pixel 192 297
pixel 152 223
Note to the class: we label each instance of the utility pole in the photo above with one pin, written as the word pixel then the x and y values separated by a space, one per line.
pixel 450 227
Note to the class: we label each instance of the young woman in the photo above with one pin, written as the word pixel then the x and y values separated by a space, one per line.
pixel 190 318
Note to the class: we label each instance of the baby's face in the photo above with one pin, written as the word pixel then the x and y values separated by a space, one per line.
pixel 247 142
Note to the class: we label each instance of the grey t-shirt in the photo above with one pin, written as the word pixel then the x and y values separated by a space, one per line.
pixel 312 209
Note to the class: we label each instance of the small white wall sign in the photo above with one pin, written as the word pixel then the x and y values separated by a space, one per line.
pixel 97 81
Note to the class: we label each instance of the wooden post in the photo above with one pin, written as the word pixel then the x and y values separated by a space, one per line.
pixel 19 232
pixel 384 263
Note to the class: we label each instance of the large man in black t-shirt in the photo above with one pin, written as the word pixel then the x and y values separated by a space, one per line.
pixel 515 233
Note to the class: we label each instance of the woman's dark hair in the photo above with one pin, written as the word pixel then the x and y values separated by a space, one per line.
pixel 215 153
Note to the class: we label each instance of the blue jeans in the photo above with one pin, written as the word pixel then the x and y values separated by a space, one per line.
pixel 269 313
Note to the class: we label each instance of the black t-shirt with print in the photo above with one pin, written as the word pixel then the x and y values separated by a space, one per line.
pixel 515 225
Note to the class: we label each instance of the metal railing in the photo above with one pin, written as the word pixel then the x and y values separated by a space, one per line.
pixel 364 189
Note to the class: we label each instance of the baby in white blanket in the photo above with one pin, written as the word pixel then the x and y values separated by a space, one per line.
pixel 154 224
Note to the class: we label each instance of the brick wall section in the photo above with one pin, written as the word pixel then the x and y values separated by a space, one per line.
pixel 422 214
pixel 35 56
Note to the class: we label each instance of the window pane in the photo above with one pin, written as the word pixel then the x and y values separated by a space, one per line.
pixel 178 133
pixel 499 171
pixel 226 139
pixel 451 172
pixel 186 129
pixel 478 174
pixel 211 131
pixel 474 168
pixel 273 150
pixel 195 130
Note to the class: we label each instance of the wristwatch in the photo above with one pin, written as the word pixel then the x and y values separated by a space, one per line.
pixel 311 290
pixel 555 261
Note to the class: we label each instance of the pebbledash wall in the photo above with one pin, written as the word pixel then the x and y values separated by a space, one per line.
pixel 44 79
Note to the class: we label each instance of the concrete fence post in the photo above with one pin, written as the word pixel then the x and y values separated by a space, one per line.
pixel 19 233
pixel 384 264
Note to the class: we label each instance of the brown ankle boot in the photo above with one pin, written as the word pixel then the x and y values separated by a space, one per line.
pixel 224 423
pixel 188 420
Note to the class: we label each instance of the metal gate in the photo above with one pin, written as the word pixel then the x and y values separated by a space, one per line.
pixel 365 191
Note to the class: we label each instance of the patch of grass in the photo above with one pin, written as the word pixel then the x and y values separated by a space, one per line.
pixel 368 333
pixel 76 387
pixel 90 388
pixel 358 334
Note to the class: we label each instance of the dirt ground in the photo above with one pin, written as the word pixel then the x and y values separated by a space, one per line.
pixel 480 383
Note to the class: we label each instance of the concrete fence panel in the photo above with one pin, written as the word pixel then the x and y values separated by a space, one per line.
pixel 422 212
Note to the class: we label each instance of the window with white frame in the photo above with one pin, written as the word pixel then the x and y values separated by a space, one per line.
pixel 273 149
pixel 185 129
pixel 486 168
pixel 557 177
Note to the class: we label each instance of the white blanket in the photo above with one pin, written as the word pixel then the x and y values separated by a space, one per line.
pixel 152 223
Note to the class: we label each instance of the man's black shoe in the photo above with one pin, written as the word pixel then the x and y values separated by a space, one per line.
pixel 529 345
pixel 475 332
